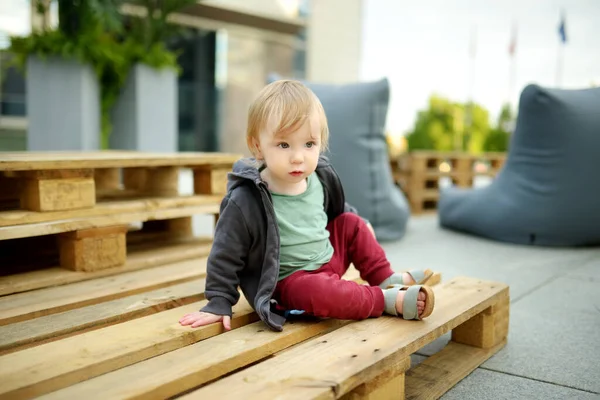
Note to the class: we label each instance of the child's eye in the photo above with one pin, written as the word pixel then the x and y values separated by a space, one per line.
pixel 310 144
pixel 283 145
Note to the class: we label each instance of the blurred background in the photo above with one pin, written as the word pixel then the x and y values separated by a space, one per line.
pixel 455 69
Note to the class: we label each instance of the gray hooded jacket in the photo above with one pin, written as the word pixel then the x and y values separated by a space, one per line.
pixel 245 248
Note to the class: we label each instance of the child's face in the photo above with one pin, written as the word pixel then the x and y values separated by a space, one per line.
pixel 291 157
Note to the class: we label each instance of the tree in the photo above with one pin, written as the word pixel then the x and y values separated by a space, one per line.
pixel 498 138
pixel 448 125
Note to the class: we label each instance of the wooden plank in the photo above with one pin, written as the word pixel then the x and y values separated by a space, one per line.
pixel 183 369
pixel 174 372
pixel 442 371
pixel 28 305
pixel 53 327
pixel 48 228
pixel 134 205
pixel 27 161
pixel 52 366
pixel 56 174
pixel 91 233
pixel 336 363
pixel 137 259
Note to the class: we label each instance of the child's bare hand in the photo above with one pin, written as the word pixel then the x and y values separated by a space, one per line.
pixel 200 318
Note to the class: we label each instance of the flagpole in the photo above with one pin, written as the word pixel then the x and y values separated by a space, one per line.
pixel 469 109
pixel 512 70
pixel 559 64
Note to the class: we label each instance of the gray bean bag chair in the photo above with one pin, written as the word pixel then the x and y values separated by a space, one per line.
pixel 548 192
pixel 356 114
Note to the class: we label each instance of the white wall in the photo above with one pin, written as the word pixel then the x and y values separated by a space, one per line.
pixel 334 41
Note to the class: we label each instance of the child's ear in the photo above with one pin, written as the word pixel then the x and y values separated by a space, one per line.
pixel 255 146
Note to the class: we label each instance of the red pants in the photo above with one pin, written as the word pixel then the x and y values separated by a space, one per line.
pixel 323 294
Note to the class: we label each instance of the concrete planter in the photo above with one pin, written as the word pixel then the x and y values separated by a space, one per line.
pixel 63 105
pixel 145 115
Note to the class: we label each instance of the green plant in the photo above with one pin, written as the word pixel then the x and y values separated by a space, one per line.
pixel 499 137
pixel 92 32
pixel 445 126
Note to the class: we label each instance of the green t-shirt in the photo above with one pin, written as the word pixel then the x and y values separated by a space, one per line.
pixel 302 228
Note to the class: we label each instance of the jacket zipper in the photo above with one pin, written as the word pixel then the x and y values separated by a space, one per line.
pixel 271 210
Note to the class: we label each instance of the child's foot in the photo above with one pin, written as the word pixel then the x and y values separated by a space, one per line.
pixel 410 302
pixel 421 297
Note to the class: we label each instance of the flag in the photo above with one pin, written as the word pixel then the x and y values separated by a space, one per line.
pixel 512 46
pixel 562 30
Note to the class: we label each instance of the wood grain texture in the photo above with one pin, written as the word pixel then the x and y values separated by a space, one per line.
pixel 180 370
pixel 142 257
pixel 139 204
pixel 29 305
pixel 442 371
pixel 29 160
pixel 53 327
pixel 52 366
pixel 336 363
pixel 98 221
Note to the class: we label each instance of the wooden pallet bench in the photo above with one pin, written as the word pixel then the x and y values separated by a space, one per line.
pixel 418 174
pixel 141 256
pixel 57 181
pixel 89 201
pixel 151 356
pixel 100 242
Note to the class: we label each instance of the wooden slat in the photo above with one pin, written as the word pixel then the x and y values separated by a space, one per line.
pixel 28 305
pixel 119 207
pixel 243 347
pixel 27 161
pixel 142 257
pixel 57 326
pixel 180 370
pixel 336 363
pixel 432 378
pixel 48 228
pixel 56 365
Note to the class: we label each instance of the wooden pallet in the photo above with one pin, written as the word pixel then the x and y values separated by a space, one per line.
pixel 42 269
pixel 94 243
pixel 88 202
pixel 105 351
pixel 58 181
pixel 418 173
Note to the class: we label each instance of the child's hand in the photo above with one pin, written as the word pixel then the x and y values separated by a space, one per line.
pixel 200 318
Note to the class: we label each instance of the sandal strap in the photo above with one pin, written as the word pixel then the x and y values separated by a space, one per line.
pixel 417 274
pixel 389 300
pixel 409 305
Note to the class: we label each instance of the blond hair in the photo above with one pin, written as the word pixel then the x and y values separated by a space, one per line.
pixel 289 103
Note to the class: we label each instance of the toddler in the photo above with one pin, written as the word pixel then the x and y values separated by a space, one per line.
pixel 286 235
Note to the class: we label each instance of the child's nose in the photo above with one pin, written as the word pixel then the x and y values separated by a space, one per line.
pixel 297 157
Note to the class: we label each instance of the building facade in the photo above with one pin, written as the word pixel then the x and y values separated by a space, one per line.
pixel 228 50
